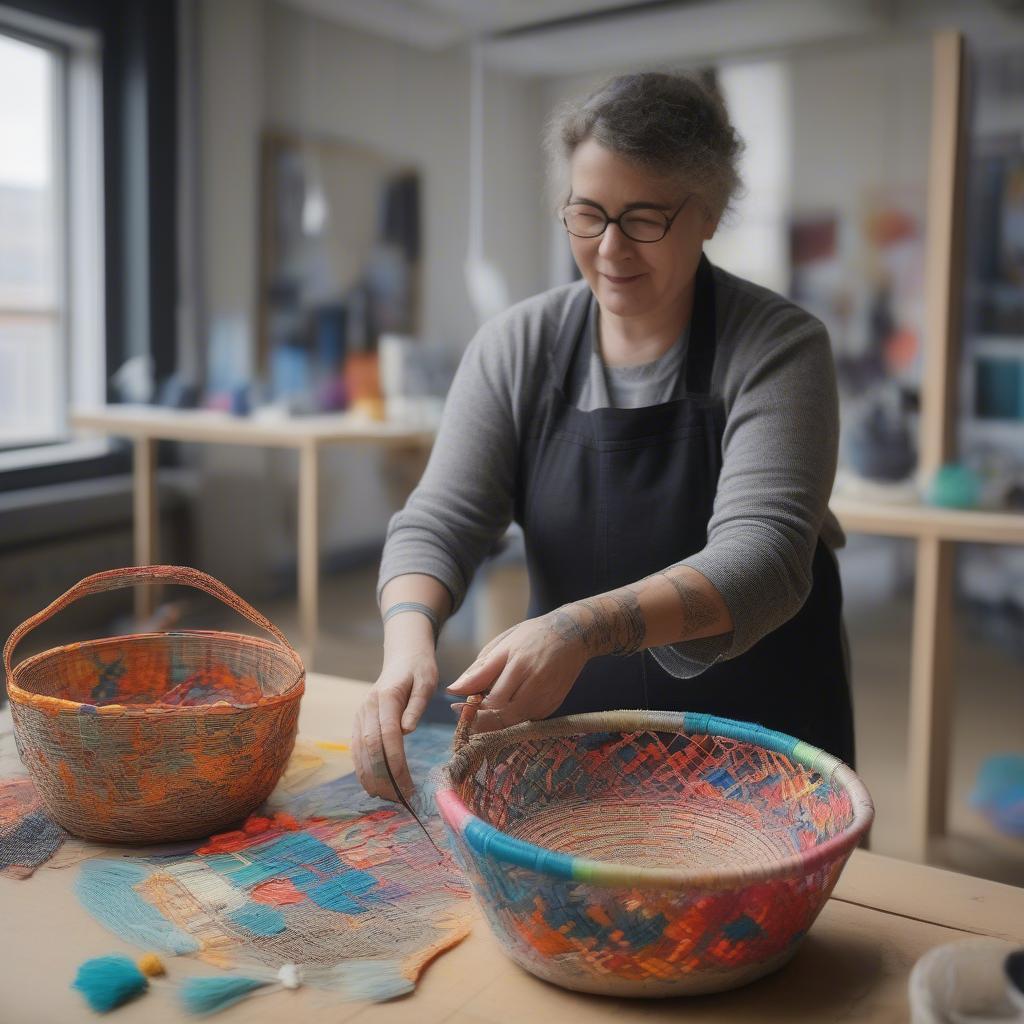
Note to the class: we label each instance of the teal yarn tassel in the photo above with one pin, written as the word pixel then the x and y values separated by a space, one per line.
pixel 109 981
pixel 209 995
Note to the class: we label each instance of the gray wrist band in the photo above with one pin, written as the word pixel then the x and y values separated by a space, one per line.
pixel 415 606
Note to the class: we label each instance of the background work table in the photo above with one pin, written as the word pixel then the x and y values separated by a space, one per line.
pixel 854 964
pixel 307 435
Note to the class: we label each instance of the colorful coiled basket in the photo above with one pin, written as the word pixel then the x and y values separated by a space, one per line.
pixel 638 853
pixel 160 736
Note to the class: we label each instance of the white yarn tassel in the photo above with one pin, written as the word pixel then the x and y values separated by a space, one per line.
pixel 290 976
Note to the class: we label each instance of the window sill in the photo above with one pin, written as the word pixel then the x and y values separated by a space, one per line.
pixel 53 454
pixel 34 515
pixel 61 463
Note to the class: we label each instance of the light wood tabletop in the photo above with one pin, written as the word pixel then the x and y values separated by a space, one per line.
pixel 213 427
pixel 853 966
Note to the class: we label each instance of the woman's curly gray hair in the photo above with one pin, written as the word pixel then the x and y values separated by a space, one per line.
pixel 670 124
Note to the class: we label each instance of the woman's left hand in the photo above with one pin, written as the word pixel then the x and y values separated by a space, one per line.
pixel 529 669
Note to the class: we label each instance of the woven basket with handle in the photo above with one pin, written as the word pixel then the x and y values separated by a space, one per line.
pixel 641 853
pixel 160 736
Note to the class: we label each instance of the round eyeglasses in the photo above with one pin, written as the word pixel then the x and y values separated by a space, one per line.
pixel 641 223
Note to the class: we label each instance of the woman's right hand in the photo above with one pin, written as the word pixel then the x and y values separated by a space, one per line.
pixel 407 682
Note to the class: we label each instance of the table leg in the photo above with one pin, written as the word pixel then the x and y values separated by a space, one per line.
pixel 145 519
pixel 309 549
pixel 931 692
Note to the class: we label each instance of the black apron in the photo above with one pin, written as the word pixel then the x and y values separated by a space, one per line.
pixel 609 496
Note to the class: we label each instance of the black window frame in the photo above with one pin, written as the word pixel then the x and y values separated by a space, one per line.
pixel 139 40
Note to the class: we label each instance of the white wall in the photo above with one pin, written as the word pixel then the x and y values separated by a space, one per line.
pixel 861 118
pixel 231 40
pixel 751 239
pixel 862 128
pixel 414 105
pixel 269 65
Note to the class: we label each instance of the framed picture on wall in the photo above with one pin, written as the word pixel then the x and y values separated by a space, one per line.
pixel 340 266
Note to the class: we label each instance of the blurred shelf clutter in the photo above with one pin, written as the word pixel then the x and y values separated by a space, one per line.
pixel 917 460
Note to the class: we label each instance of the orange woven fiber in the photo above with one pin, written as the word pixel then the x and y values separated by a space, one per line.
pixel 155 737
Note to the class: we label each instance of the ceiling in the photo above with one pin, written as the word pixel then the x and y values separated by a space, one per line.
pixel 563 37
pixel 434 24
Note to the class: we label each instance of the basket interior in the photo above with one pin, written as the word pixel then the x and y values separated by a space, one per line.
pixel 654 799
pixel 176 669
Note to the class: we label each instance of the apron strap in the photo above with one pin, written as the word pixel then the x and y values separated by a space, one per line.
pixel 569 337
pixel 700 353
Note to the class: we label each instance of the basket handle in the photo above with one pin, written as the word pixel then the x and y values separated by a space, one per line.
pixel 466 718
pixel 114 579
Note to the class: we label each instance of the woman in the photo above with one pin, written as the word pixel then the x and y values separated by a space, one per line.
pixel 665 434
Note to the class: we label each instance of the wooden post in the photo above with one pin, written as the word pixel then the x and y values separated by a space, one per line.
pixel 931 670
pixel 146 522
pixel 931 691
pixel 944 266
pixel 309 548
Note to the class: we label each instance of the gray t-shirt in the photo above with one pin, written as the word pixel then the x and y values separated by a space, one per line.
pixel 593 385
pixel 774 372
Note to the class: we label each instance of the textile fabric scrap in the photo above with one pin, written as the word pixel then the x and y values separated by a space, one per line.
pixel 28 835
pixel 354 895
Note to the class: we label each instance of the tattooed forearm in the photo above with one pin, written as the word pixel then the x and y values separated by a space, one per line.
pixel 610 624
pixel 632 627
pixel 699 610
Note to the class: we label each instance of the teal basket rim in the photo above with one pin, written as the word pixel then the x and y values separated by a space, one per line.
pixel 489 841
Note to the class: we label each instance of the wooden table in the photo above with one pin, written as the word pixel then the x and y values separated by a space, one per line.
pixel 935 531
pixel 854 965
pixel 146 425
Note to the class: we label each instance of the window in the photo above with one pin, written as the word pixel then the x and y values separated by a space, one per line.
pixel 51 311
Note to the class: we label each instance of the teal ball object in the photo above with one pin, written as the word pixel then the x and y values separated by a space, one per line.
pixel 954 486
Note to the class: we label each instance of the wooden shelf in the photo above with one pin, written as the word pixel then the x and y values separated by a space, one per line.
pixel 916 521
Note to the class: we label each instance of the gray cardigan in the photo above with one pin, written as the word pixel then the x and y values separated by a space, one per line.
pixel 774 372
